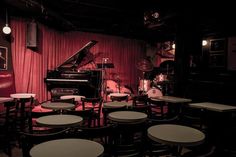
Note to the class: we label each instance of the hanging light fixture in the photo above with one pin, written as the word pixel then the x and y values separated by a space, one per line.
pixel 6 29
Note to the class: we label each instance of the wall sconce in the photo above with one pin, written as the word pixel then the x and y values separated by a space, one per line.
pixel 204 42
pixel 6 29
pixel 173 46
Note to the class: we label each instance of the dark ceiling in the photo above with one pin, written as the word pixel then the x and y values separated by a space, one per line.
pixel 124 17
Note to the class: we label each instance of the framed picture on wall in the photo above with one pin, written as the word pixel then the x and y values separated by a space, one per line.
pixel 217 45
pixel 3 58
pixel 217 60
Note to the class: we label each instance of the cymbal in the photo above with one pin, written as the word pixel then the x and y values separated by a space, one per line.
pixel 145 65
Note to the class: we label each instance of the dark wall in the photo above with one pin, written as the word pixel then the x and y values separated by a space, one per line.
pixel 5 41
pixel 211 79
pixel 7 85
pixel 201 73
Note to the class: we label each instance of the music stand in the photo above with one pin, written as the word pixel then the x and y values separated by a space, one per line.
pixel 105 65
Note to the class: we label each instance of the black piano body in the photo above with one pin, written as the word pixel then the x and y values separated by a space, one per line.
pixel 67 79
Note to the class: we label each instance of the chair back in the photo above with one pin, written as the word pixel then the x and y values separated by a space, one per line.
pixel 140 100
pixel 28 140
pixel 119 98
pixel 85 114
pixel 7 127
pixel 102 132
pixel 140 104
pixel 96 105
pixel 163 120
pixel 32 116
pixel 71 101
pixel 106 111
pixel 10 112
pixel 129 139
pixel 193 117
pixel 154 92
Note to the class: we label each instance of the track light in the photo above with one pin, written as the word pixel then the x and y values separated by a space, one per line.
pixel 6 29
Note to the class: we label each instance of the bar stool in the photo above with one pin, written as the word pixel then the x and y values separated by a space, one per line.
pixel 23 101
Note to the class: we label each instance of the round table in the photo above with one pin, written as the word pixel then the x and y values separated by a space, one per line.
pixel 59 120
pixel 58 105
pixel 22 95
pixel 76 97
pixel 67 148
pixel 176 135
pixel 5 99
pixel 127 116
pixel 115 104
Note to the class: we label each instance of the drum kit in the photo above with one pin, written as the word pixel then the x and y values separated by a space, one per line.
pixel 113 83
pixel 160 82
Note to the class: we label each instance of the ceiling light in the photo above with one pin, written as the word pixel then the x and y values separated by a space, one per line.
pixel 151 17
pixel 6 29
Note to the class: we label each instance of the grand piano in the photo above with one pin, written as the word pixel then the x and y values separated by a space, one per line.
pixel 67 78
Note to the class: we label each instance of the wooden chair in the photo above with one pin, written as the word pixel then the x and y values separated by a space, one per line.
pixel 85 114
pixel 157 106
pixel 96 105
pixel 129 139
pixel 154 148
pixel 32 116
pixel 7 127
pixel 140 100
pixel 163 120
pixel 119 98
pixel 140 104
pixel 100 134
pixel 28 140
pixel 72 100
pixel 106 111
pixel 193 117
pixel 204 151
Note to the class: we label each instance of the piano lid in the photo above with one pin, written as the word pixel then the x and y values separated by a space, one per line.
pixel 77 59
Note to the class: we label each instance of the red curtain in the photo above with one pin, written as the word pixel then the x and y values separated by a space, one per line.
pixel 30 67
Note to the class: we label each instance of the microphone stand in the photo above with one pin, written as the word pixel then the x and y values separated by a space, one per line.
pixel 104 83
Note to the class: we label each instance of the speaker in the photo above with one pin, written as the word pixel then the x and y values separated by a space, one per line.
pixel 31 35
